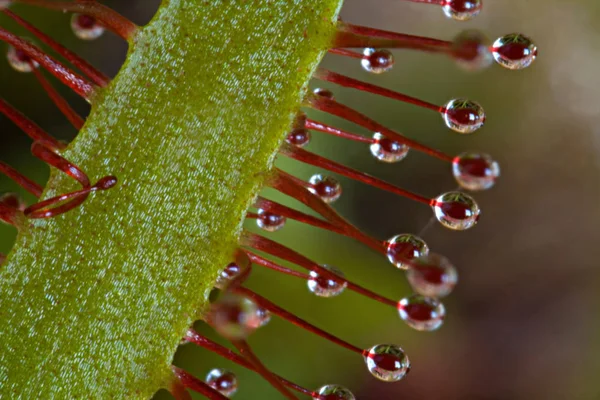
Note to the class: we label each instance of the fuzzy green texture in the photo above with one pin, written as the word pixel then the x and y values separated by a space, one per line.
pixel 93 303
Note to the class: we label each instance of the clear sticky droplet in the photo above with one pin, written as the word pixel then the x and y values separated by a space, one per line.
pixel 432 276
pixel 234 317
pixel 401 249
pixel 387 362
pixel 86 27
pixel 422 313
pixel 269 222
pixel 387 150
pixel 328 94
pixel 456 210
pixel 463 116
pixel 471 51
pixel 377 61
pixel 461 10
pixel 327 286
pixel 514 51
pixel 223 381
pixel 5 4
pixel 299 137
pixel 231 272
pixel 334 392
pixel 475 171
pixel 263 317
pixel 326 187
pixel 20 61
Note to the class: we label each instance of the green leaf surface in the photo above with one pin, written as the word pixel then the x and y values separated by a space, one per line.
pixel 93 303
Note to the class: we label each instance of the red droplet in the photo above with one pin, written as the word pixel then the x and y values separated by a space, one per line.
pixel 86 22
pixel 418 312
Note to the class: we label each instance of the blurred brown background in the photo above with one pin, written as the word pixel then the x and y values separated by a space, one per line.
pixel 524 321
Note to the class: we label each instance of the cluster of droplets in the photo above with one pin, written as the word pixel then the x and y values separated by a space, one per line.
pixel 430 275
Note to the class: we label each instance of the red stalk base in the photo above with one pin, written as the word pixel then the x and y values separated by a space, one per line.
pixel 64 107
pixel 334 108
pixel 275 309
pixel 246 351
pixel 199 340
pixel 278 250
pixel 345 81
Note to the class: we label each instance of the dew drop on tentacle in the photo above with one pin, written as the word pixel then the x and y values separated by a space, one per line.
pixel 514 51
pixel 269 222
pixel 403 248
pixel 326 286
pixel 5 4
pixel 432 276
pixel 326 187
pixel 263 317
pixel 387 150
pixel 13 200
pixel 334 392
pixel 422 313
pixel 475 171
pixel 326 93
pixel 299 137
pixel 86 27
pixel 461 10
pixel 230 273
pixel 234 317
pixel 20 61
pixel 456 210
pixel 471 51
pixel 377 61
pixel 463 116
pixel 223 381
pixel 387 362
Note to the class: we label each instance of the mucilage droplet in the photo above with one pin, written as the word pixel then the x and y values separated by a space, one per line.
pixel 327 286
pixel 422 313
pixel 401 249
pixel 387 362
pixel 463 116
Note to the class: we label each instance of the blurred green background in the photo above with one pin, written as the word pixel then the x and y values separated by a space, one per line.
pixel 523 322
